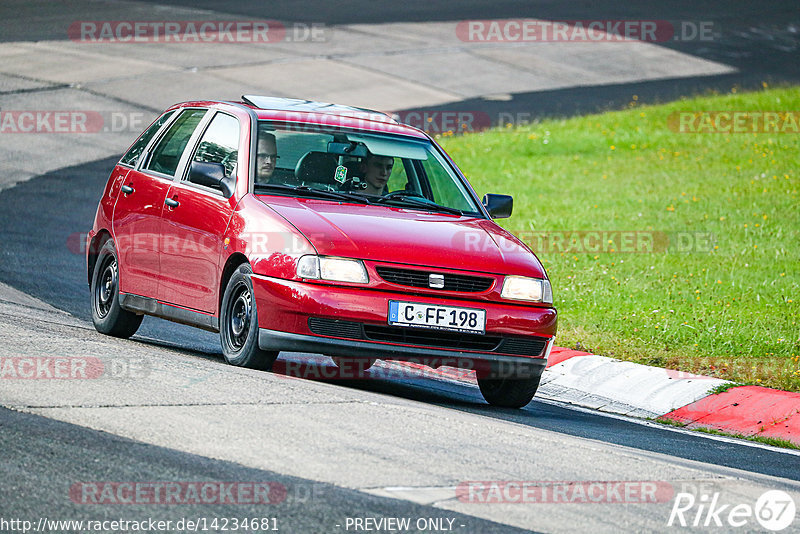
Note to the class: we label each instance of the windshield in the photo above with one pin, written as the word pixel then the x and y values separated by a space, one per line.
pixel 363 167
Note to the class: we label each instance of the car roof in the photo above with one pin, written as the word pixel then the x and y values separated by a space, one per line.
pixel 324 113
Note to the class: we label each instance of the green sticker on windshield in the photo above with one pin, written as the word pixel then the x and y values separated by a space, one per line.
pixel 341 174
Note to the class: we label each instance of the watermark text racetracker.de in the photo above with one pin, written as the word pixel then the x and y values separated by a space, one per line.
pixel 734 122
pixel 73 368
pixel 196 31
pixel 188 493
pixel 551 242
pixel 593 241
pixel 445 121
pixel 177 493
pixel 72 121
pixel 564 492
pixel 584 31
pixel 254 243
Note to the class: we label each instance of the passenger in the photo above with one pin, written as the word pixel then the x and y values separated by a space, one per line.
pixel 266 157
pixel 376 170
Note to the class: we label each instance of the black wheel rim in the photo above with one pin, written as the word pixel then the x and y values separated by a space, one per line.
pixel 238 317
pixel 106 287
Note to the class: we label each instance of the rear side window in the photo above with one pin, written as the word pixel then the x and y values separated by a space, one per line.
pixel 138 147
pixel 168 151
pixel 220 143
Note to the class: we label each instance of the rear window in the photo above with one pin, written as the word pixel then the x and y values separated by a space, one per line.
pixel 167 153
pixel 132 156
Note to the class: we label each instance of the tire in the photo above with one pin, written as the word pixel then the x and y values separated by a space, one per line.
pixel 238 324
pixel 508 392
pixel 107 315
pixel 361 364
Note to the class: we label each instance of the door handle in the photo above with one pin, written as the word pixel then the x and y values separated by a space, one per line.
pixel 126 189
pixel 172 203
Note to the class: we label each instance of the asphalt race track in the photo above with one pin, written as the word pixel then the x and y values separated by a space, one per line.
pixel 114 458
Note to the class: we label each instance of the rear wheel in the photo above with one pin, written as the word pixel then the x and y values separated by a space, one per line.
pixel 238 324
pixel 508 392
pixel 107 315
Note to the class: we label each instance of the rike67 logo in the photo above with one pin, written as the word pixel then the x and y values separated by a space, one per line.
pixel 774 510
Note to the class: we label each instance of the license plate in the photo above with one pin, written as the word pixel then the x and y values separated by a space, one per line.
pixel 437 317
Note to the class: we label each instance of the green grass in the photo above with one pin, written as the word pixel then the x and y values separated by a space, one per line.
pixel 726 308
pixel 670 422
pixel 775 442
pixel 722 388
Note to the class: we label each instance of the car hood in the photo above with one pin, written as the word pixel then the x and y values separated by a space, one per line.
pixel 405 236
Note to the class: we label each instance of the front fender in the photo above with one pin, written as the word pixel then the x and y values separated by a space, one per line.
pixel 271 244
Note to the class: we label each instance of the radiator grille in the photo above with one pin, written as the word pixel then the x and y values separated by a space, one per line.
pixel 452 282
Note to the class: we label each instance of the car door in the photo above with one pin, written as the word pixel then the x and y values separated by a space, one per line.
pixel 194 222
pixel 136 217
pixel 150 183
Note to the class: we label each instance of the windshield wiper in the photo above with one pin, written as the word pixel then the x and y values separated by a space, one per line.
pixel 403 198
pixel 318 193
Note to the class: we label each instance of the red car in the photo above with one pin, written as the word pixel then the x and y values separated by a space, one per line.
pixel 291 225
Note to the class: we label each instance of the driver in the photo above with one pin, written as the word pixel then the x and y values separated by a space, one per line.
pixel 376 171
pixel 266 157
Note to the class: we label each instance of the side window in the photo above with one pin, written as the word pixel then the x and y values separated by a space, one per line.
pixel 220 143
pixel 446 190
pixel 398 179
pixel 168 152
pixel 132 156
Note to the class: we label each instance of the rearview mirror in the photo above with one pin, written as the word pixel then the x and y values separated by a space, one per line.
pixel 212 175
pixel 356 150
pixel 498 206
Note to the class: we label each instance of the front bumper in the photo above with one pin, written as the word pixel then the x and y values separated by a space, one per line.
pixel 285 306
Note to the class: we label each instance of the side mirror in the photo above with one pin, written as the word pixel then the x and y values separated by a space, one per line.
pixel 498 206
pixel 212 175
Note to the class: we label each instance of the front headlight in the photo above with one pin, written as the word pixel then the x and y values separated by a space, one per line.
pixel 334 269
pixel 531 289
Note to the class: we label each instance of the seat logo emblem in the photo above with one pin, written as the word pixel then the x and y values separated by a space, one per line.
pixel 436 281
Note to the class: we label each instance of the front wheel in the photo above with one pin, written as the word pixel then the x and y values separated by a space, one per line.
pixel 238 324
pixel 107 315
pixel 508 392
